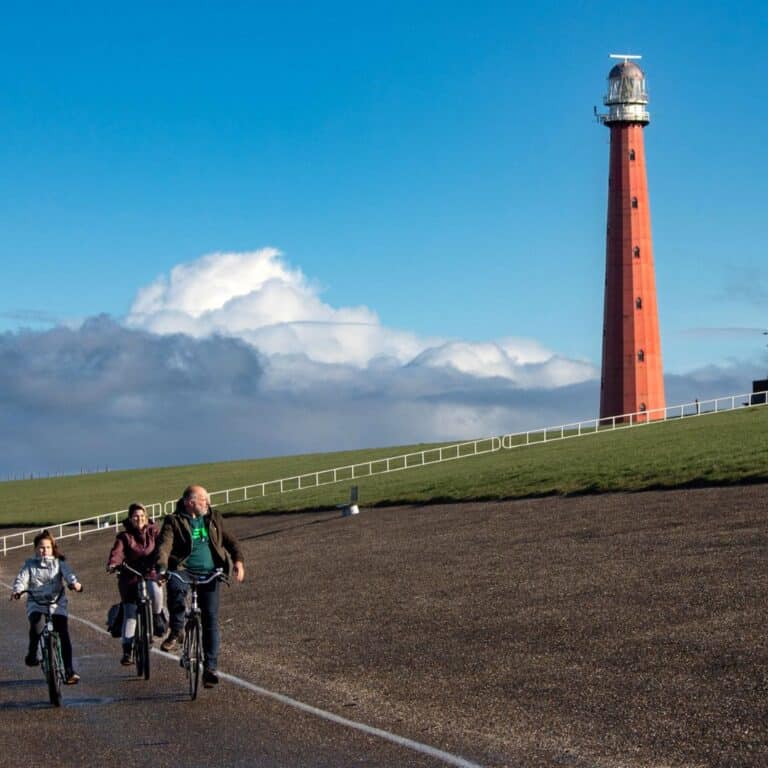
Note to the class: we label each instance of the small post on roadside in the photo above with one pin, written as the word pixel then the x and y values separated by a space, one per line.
pixel 351 508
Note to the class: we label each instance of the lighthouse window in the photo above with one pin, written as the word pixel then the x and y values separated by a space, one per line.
pixel 638 303
pixel 631 154
pixel 641 355
pixel 636 251
pixel 634 202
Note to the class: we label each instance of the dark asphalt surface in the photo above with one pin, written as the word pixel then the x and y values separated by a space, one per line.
pixel 622 630
pixel 114 718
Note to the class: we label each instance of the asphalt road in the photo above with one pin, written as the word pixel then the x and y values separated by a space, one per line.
pixel 115 718
pixel 112 717
pixel 623 630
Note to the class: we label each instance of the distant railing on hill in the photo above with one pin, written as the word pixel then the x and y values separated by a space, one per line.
pixel 639 418
pixel 352 472
pixel 79 528
pixel 112 520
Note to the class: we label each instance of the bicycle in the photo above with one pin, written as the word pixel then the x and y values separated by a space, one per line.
pixel 52 662
pixel 192 656
pixel 142 637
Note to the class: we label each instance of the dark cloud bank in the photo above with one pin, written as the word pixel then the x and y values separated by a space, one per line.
pixel 103 395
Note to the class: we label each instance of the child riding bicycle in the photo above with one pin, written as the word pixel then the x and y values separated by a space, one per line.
pixel 46 574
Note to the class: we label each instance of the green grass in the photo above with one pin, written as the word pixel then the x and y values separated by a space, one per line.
pixel 59 499
pixel 718 449
pixel 711 450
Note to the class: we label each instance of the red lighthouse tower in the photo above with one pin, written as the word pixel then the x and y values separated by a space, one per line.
pixel 632 378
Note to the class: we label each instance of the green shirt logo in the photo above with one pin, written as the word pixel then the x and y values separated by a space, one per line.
pixel 199 534
pixel 200 559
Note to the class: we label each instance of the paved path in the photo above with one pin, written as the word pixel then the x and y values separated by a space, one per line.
pixel 593 632
pixel 113 717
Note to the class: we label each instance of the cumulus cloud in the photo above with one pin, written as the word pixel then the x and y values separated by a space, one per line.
pixel 257 297
pixel 104 394
pixel 236 355
pixel 523 361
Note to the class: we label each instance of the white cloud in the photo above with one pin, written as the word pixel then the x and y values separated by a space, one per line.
pixel 257 297
pixel 103 394
pixel 242 346
pixel 523 361
pixel 211 281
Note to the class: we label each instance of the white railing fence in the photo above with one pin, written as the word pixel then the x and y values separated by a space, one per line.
pixel 639 418
pixel 79 528
pixel 113 520
pixel 354 471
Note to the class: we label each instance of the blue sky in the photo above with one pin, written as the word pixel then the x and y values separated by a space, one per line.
pixel 431 168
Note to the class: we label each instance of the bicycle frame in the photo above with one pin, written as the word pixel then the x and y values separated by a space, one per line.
pixel 51 663
pixel 142 637
pixel 192 655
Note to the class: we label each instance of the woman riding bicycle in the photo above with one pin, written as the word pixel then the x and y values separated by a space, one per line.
pixel 46 574
pixel 136 546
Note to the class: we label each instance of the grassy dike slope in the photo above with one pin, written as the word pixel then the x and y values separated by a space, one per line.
pixel 59 499
pixel 722 449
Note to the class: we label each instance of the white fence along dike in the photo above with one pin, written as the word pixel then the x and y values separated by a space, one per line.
pixel 112 520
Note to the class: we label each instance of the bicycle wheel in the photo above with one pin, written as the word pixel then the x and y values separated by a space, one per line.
pixel 138 650
pixel 52 666
pixel 139 654
pixel 193 651
pixel 143 639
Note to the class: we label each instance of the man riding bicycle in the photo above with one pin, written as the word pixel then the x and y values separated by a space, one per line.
pixel 194 539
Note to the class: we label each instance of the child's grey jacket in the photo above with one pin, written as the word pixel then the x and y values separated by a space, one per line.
pixel 48 575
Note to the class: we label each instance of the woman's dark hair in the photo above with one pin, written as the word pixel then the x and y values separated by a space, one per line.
pixel 46 534
pixel 136 506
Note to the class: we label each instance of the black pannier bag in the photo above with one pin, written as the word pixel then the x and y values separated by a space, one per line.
pixel 115 620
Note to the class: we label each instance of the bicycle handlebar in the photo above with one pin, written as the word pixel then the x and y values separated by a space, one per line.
pixel 133 570
pixel 41 600
pixel 198 580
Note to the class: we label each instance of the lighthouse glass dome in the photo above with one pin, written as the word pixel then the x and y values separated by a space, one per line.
pixel 627 95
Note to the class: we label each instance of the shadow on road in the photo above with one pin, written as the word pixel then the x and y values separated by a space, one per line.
pixel 83 701
pixel 22 705
pixel 20 683
pixel 276 531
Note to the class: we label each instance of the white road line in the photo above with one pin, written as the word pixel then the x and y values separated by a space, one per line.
pixel 416 746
